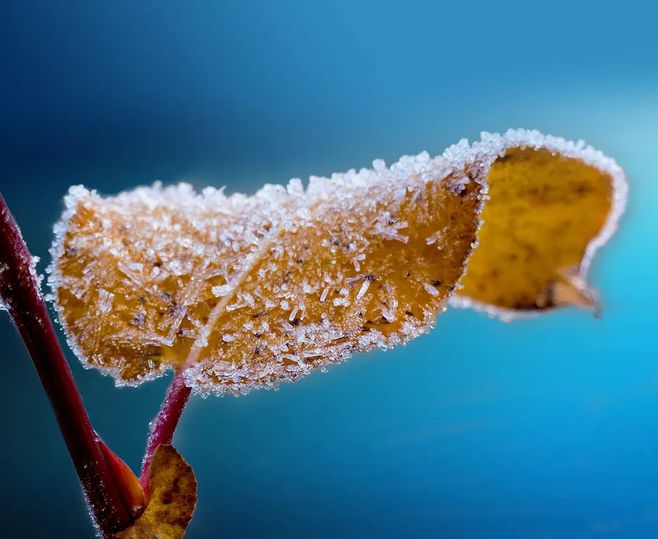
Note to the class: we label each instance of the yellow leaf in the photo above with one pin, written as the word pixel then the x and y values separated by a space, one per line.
pixel 171 502
pixel 551 204
pixel 244 292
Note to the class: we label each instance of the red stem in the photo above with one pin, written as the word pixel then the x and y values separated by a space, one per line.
pixel 164 424
pixel 20 294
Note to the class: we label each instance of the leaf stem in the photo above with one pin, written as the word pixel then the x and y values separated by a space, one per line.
pixel 20 295
pixel 164 424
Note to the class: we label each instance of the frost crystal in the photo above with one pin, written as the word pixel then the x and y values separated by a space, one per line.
pixel 364 288
pixel 3 268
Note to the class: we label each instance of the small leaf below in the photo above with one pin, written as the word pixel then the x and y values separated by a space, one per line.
pixel 172 498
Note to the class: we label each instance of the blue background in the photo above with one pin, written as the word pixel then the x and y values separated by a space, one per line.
pixel 539 429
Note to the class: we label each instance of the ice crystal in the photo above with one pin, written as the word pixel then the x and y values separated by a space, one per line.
pixel 3 268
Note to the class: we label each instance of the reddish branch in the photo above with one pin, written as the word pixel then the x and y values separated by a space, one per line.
pixel 19 292
pixel 164 424
pixel 110 488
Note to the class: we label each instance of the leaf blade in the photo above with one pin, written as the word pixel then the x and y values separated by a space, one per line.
pixel 172 499
pixel 306 263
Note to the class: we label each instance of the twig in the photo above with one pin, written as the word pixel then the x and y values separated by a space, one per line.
pixel 164 424
pixel 19 292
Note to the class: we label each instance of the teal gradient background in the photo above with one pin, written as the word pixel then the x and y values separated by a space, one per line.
pixel 544 428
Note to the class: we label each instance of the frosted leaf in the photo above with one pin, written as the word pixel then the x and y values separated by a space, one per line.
pixel 243 292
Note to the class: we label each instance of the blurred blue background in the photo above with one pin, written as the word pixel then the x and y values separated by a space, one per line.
pixel 539 429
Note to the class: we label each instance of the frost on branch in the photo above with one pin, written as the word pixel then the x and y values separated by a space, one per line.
pixel 249 291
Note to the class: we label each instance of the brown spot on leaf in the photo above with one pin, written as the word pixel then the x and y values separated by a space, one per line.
pixel 171 502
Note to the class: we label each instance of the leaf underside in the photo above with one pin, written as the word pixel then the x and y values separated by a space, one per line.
pixel 543 211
